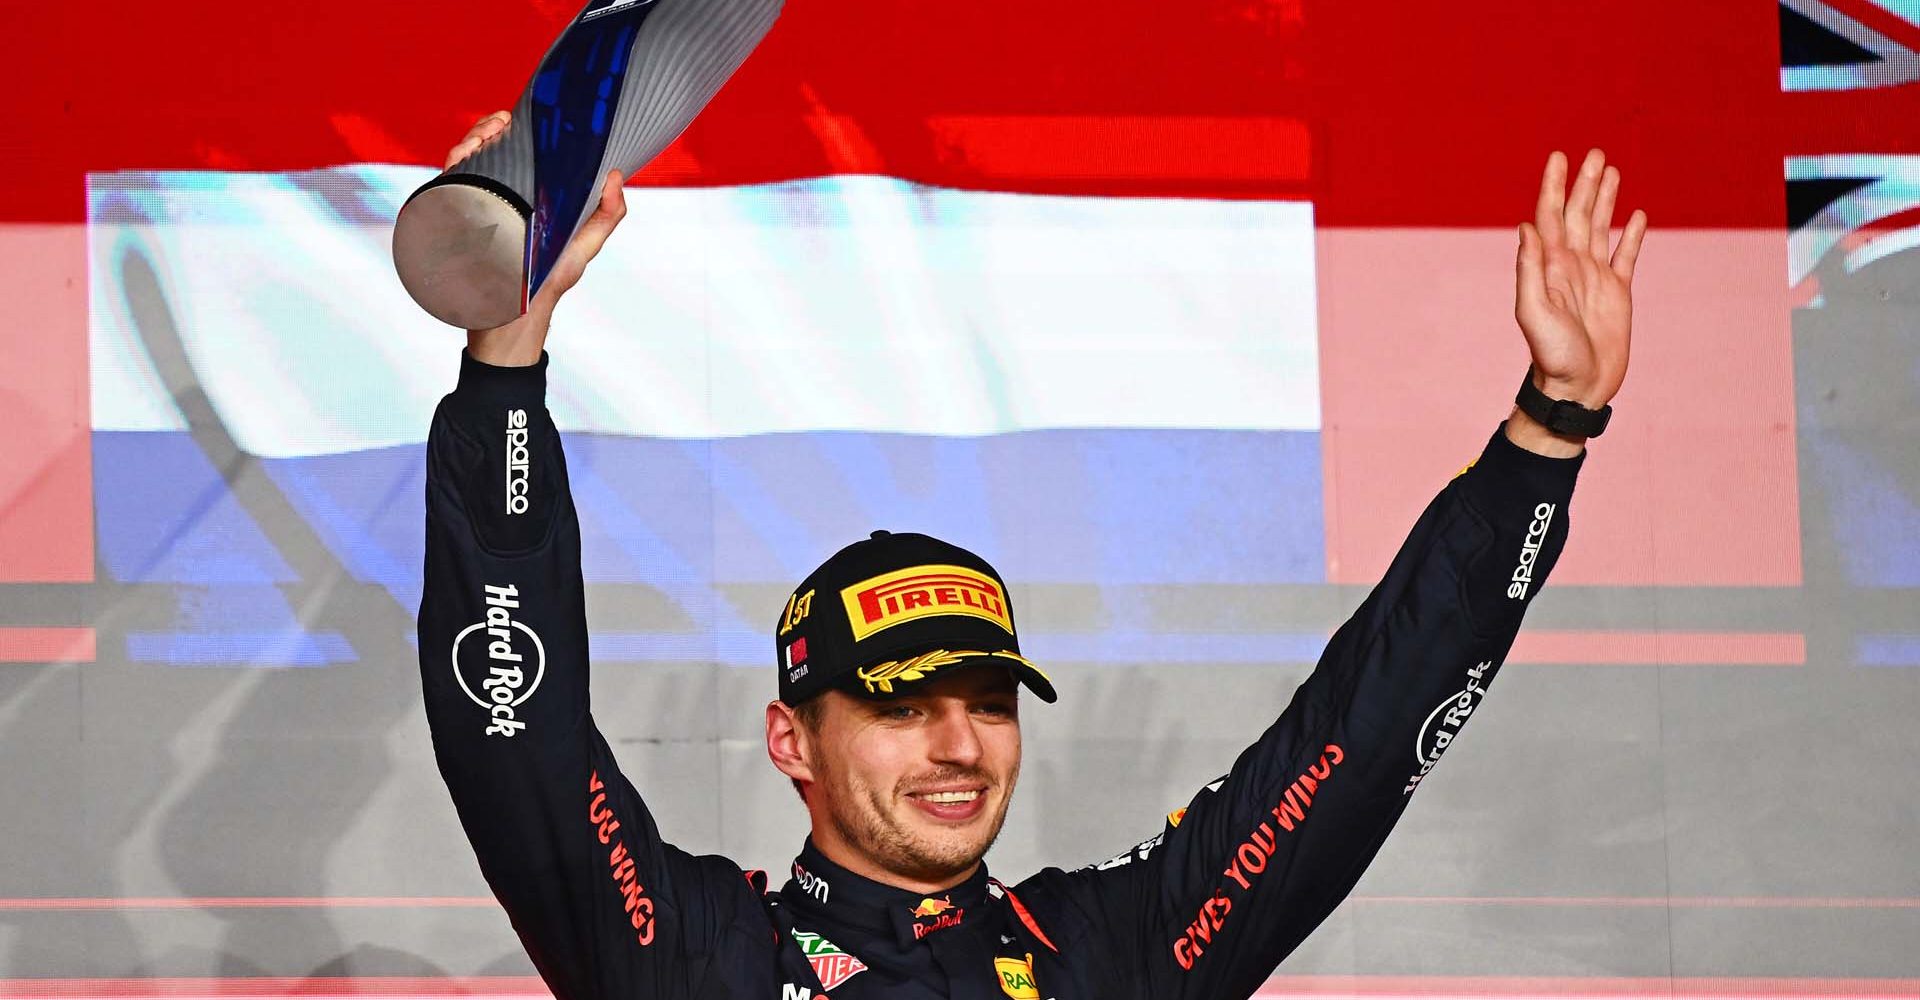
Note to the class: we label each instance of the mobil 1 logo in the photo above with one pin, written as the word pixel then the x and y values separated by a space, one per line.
pixel 499 661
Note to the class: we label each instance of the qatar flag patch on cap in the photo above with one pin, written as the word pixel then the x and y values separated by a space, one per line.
pixel 796 659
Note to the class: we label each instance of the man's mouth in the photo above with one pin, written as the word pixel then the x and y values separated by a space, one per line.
pixel 967 796
pixel 953 805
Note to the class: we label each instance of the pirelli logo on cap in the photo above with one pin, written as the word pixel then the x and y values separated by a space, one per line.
pixel 922 592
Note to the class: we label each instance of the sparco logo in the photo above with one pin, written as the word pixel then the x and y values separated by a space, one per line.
pixel 516 461
pixel 1444 722
pixel 1530 551
pixel 514 663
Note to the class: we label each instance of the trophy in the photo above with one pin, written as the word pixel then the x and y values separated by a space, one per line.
pixel 474 244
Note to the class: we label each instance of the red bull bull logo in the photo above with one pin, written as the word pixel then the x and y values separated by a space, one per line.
pixel 931 907
pixel 935 915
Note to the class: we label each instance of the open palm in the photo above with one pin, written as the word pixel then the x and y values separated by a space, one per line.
pixel 1574 298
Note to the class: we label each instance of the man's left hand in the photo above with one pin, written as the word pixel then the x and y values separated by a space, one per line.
pixel 1574 295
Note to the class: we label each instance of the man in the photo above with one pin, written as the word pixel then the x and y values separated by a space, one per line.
pixel 898 714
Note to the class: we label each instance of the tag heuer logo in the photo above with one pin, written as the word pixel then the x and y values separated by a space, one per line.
pixel 832 965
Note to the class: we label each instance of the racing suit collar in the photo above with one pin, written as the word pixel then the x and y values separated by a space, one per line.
pixel 831 895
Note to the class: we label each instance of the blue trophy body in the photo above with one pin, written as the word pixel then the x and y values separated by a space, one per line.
pixel 624 79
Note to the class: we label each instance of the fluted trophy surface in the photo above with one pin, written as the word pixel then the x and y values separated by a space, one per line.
pixel 625 77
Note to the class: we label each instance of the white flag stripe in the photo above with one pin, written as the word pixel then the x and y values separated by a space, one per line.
pixel 843 303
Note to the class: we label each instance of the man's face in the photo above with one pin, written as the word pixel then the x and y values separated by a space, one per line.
pixel 918 785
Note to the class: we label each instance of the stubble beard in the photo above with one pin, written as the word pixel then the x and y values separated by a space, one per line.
pixel 875 828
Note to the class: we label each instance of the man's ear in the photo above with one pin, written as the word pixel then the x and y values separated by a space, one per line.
pixel 787 744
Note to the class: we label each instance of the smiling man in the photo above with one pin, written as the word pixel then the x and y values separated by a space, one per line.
pixel 898 712
pixel 898 717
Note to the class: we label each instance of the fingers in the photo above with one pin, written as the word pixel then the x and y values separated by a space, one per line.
pixel 479 135
pixel 1602 226
pixel 491 123
pixel 1580 203
pixel 1548 211
pixel 1628 253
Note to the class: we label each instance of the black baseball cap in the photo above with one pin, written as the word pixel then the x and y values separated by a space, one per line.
pixel 893 610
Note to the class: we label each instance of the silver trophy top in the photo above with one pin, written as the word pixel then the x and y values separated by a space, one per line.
pixel 623 80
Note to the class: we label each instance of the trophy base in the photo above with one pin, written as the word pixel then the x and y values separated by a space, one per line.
pixel 460 247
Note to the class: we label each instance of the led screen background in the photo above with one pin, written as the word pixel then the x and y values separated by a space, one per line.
pixel 1178 315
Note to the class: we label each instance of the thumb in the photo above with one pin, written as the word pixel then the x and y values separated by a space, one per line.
pixel 593 233
pixel 1530 291
pixel 587 239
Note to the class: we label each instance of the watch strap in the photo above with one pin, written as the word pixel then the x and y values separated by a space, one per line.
pixel 1561 416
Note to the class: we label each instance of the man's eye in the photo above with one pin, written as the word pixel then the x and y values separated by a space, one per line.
pixel 999 708
pixel 899 712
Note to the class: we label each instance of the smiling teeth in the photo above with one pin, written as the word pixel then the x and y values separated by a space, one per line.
pixel 950 796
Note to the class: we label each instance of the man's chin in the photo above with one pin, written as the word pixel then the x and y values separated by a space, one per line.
pixel 941 863
pixel 946 848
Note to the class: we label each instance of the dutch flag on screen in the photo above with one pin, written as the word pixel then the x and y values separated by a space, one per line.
pixel 1094 390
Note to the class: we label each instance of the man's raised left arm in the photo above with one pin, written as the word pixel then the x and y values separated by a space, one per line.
pixel 1259 858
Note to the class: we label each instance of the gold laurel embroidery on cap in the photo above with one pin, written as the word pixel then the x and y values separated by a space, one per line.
pixel 880 676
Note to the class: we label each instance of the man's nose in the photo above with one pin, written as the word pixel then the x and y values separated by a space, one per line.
pixel 954 740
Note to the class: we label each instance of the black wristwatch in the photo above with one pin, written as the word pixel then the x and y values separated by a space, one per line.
pixel 1561 416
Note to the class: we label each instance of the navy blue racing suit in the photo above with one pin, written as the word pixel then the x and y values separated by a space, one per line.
pixel 1204 909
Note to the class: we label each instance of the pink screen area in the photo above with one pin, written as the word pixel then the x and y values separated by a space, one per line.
pixel 1693 484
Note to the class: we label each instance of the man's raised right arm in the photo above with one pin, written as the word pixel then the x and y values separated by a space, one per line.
pixel 562 838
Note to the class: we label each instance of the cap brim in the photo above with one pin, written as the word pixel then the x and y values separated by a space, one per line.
pixel 1033 677
pixel 895 678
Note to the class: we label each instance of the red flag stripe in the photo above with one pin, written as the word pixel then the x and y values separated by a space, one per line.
pixel 1428 118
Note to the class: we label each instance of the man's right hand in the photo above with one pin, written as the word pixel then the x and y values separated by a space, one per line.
pixel 521 341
